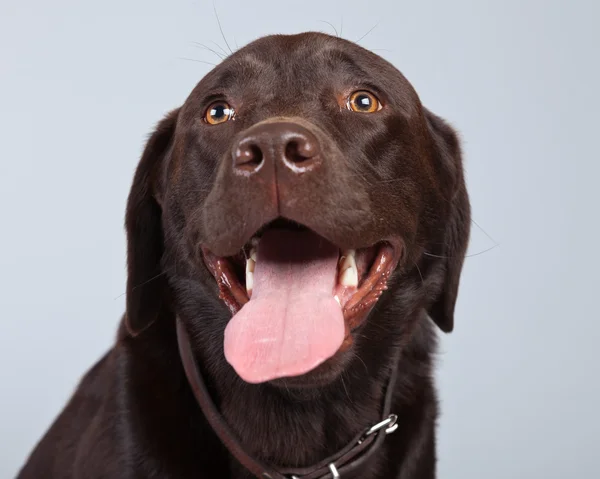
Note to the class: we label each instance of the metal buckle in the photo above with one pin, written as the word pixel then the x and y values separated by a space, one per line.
pixel 390 423
pixel 334 472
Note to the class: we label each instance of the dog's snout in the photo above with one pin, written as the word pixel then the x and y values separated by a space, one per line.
pixel 287 143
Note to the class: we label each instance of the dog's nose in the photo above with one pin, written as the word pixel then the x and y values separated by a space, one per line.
pixel 286 143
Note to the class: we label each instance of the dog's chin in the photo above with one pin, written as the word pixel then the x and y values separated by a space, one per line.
pixel 325 374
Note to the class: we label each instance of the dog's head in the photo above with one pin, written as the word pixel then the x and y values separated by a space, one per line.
pixel 301 205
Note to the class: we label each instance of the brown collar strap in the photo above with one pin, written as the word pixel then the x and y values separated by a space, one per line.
pixel 344 464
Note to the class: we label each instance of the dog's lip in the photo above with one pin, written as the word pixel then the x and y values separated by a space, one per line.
pixel 231 291
pixel 356 302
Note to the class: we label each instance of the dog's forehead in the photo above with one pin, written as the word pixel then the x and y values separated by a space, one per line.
pixel 312 48
pixel 302 61
pixel 281 74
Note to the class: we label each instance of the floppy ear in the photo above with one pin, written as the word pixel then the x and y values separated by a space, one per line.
pixel 146 287
pixel 458 225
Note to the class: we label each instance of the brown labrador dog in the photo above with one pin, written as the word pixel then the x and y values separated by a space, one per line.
pixel 295 232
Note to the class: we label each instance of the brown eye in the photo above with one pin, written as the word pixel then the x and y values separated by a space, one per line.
pixel 218 112
pixel 364 102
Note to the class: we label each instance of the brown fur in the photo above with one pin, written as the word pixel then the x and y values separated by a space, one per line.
pixel 397 172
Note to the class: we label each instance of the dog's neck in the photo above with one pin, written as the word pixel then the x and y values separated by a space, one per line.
pixel 324 420
pixel 354 456
pixel 278 426
pixel 269 422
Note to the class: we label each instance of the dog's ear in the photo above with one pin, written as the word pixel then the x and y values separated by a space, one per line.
pixel 146 286
pixel 457 228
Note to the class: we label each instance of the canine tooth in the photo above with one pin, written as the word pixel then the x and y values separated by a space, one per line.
pixel 249 282
pixel 337 299
pixel 349 277
pixel 348 271
pixel 250 264
pixel 253 254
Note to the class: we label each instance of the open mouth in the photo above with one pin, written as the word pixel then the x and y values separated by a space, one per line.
pixel 296 298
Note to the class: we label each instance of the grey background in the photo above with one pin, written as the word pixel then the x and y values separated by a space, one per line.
pixel 82 83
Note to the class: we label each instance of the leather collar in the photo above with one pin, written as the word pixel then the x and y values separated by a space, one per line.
pixel 348 462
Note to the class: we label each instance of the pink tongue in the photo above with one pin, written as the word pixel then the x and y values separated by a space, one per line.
pixel 292 323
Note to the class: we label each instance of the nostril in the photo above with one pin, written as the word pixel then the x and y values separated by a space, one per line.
pixel 248 157
pixel 300 151
pixel 274 142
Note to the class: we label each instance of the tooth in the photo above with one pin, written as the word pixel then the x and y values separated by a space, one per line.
pixel 337 299
pixel 253 254
pixel 349 278
pixel 250 263
pixel 249 282
pixel 348 271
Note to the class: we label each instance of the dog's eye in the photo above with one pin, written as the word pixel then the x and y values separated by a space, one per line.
pixel 218 112
pixel 364 102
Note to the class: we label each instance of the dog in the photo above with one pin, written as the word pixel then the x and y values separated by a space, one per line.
pixel 296 232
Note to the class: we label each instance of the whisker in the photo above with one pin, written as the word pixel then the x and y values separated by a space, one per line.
pixel 332 26
pixel 342 27
pixel 197 61
pixel 373 28
pixel 467 256
pixel 218 45
pixel 142 284
pixel 484 251
pixel 220 55
pixel 362 177
pixel 490 237
pixel 345 389
pixel 220 27
pixel 361 360
pixel 391 180
pixel 420 274
pixel 484 232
